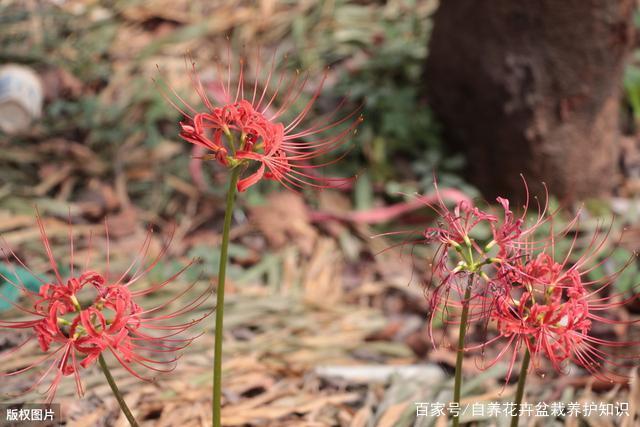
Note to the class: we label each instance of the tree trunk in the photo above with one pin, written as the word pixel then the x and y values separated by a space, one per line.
pixel 532 87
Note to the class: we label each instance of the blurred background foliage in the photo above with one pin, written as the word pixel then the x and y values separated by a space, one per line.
pixel 99 61
pixel 100 58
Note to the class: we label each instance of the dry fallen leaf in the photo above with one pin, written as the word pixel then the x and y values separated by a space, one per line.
pixel 284 219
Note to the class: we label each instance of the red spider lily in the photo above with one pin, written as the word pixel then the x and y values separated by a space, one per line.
pixel 72 334
pixel 243 125
pixel 549 308
pixel 460 261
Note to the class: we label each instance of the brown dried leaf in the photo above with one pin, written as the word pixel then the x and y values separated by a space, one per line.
pixel 285 219
pixel 322 283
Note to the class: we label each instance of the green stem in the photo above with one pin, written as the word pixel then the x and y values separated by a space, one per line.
pixel 116 392
pixel 222 273
pixel 460 350
pixel 520 390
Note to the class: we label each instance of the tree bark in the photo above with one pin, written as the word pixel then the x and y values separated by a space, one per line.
pixel 532 87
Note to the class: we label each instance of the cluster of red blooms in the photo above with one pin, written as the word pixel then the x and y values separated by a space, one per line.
pixel 73 335
pixel 515 282
pixel 241 126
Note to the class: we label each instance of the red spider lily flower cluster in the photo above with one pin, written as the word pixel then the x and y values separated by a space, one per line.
pixel 461 264
pixel 550 307
pixel 243 125
pixel 72 335
pixel 515 282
